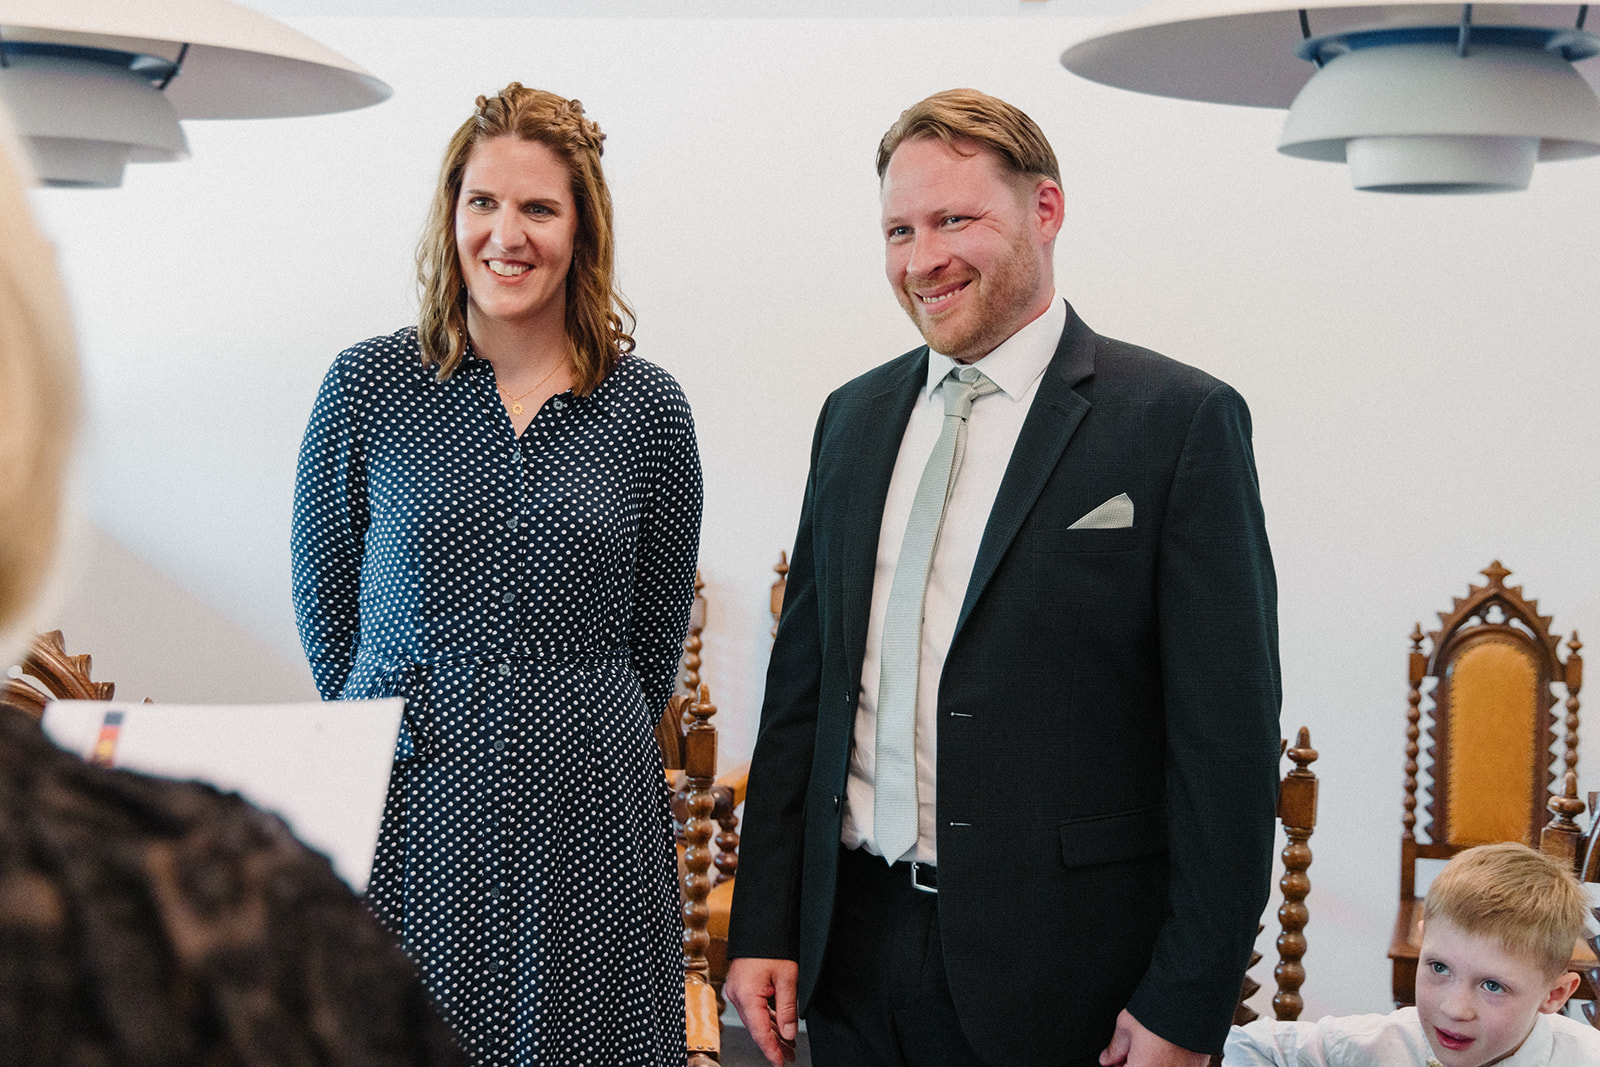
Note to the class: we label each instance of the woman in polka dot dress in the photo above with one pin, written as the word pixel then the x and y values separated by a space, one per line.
pixel 496 517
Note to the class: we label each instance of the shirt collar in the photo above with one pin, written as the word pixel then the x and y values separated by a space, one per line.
pixel 1018 361
pixel 1537 1048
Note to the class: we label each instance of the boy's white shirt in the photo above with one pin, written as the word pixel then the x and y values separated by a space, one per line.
pixel 1394 1040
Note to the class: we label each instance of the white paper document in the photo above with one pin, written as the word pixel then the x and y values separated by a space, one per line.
pixel 323 767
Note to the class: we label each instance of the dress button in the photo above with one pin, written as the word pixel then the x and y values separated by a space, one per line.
pixel 500 744
pixel 505 669
pixel 511 523
pixel 509 598
pixel 558 403
pixel 494 968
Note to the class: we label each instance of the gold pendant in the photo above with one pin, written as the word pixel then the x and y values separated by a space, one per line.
pixel 516 407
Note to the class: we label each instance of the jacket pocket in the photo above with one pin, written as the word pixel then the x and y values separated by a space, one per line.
pixel 1114 838
pixel 1062 539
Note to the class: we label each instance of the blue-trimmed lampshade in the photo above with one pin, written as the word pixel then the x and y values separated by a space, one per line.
pixel 1429 98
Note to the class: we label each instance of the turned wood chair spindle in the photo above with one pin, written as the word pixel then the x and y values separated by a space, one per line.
pixel 1574 680
pixel 726 816
pixel 1297 810
pixel 693 643
pixel 1297 813
pixel 700 768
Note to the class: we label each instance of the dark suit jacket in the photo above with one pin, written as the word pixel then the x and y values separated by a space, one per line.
pixel 1108 711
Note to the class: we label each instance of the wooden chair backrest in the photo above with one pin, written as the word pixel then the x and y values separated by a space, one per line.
pixel 1491 723
pixel 48 673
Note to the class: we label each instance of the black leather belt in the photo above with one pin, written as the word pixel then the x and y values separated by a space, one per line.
pixel 923 877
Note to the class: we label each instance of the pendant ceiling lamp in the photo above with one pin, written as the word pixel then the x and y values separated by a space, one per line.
pixel 96 84
pixel 1416 98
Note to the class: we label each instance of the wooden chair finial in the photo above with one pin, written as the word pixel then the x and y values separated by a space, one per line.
pixel 1562 837
pixel 1496 573
pixel 779 587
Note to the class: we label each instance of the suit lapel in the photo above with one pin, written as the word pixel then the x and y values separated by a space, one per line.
pixel 1054 417
pixel 877 430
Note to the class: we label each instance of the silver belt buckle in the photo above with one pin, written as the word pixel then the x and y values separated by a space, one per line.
pixel 919 871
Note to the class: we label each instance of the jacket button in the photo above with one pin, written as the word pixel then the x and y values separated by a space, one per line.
pixel 836 802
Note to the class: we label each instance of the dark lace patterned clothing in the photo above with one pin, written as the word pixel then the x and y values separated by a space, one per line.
pixel 528 597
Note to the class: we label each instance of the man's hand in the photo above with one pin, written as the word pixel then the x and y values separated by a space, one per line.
pixel 763 993
pixel 1134 1046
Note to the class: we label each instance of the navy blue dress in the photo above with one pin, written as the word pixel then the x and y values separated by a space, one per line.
pixel 528 597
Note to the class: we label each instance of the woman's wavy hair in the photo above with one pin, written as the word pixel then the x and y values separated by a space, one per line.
pixel 598 319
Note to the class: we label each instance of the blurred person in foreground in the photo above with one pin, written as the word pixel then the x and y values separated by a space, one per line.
pixel 145 922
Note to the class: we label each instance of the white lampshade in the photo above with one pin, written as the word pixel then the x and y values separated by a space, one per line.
pixel 95 84
pixel 1411 101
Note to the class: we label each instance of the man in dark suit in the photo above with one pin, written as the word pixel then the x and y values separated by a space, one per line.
pixel 1038 830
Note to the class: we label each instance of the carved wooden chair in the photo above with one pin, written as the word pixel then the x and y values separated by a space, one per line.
pixel 728 792
pixel 1297 814
pixel 705 808
pixel 47 673
pixel 1491 728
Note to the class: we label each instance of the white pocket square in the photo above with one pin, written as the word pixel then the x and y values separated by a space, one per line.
pixel 1114 514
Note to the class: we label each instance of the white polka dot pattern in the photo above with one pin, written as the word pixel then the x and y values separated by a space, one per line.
pixel 528 597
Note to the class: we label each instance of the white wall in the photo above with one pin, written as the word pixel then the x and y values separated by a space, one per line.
pixel 1421 371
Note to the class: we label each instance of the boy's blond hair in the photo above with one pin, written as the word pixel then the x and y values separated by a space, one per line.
pixel 1529 903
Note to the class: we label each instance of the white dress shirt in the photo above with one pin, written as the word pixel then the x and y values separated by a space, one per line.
pixel 1016 366
pixel 1395 1039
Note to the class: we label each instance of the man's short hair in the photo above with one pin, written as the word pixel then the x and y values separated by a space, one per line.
pixel 1529 903
pixel 964 118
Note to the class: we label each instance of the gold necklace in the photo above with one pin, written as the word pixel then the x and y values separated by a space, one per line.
pixel 516 401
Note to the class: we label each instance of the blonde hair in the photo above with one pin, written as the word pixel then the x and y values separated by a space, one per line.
pixel 967 118
pixel 598 319
pixel 39 400
pixel 1527 902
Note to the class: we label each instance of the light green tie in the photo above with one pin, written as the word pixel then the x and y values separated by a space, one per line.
pixel 894 812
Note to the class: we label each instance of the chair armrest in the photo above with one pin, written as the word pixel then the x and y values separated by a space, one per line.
pixel 703 1026
pixel 735 780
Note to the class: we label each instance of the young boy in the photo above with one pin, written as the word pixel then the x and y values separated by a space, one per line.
pixel 1497 933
